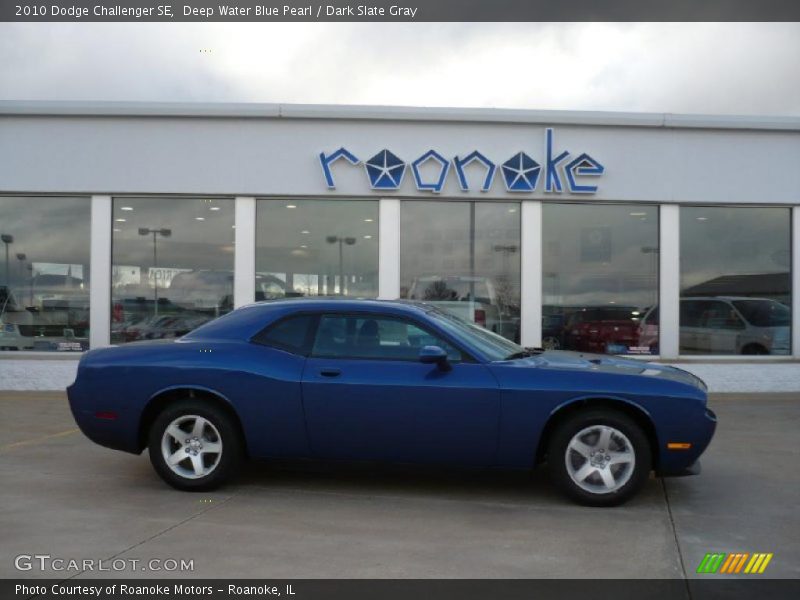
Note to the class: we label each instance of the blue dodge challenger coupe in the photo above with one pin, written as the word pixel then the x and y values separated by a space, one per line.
pixel 402 382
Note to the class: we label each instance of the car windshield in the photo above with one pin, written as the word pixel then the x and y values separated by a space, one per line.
pixel 764 313
pixel 494 346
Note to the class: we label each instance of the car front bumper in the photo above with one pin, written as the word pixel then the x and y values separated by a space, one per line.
pixel 680 463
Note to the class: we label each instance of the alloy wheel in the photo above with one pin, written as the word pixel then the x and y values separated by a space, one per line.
pixel 191 446
pixel 600 459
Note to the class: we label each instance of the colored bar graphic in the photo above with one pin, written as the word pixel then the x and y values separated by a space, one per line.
pixel 701 568
pixel 711 562
pixel 764 564
pixel 749 568
pixel 733 563
pixel 728 564
pixel 741 562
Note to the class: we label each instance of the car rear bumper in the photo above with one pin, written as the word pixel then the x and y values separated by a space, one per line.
pixel 113 429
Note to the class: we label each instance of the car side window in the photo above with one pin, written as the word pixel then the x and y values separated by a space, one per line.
pixel 290 334
pixel 380 338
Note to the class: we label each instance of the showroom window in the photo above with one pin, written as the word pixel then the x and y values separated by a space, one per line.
pixel 735 280
pixel 44 290
pixel 316 248
pixel 600 278
pixel 172 265
pixel 464 257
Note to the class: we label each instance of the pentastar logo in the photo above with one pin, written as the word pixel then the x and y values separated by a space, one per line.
pixel 520 173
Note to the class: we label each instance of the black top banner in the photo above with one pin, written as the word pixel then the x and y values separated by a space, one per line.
pixel 398 10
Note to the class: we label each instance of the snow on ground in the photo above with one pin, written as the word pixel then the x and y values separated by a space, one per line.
pixel 45 374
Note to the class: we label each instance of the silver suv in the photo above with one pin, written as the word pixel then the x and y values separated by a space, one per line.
pixel 726 325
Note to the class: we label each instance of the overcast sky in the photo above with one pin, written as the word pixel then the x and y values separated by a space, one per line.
pixel 713 68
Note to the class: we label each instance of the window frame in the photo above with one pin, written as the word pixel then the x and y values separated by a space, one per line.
pixel 791 213
pixel 258 233
pixel 659 272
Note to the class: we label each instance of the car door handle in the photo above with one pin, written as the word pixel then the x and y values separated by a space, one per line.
pixel 330 372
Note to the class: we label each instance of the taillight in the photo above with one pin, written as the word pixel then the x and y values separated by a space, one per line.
pixel 480 317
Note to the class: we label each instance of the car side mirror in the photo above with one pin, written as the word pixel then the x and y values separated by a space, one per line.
pixel 430 355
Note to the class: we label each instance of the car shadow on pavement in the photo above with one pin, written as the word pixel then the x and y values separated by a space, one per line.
pixel 407 481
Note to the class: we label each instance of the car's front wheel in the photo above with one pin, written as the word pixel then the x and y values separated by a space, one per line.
pixel 194 445
pixel 599 457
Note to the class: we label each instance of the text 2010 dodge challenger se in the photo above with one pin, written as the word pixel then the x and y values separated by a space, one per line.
pixel 388 381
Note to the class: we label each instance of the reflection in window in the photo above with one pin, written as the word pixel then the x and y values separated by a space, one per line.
pixel 464 257
pixel 735 280
pixel 172 266
pixel 316 248
pixel 289 334
pixel 600 278
pixel 44 286
pixel 376 337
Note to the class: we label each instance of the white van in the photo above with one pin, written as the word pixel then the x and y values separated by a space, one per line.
pixel 726 325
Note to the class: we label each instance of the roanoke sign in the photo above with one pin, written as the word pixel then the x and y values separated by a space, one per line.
pixel 521 173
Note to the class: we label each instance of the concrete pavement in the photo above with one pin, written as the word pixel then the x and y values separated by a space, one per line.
pixel 66 497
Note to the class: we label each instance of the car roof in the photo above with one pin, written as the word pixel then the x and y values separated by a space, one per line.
pixel 252 318
pixel 339 303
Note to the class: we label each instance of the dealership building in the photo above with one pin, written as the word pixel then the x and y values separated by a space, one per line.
pixel 659 235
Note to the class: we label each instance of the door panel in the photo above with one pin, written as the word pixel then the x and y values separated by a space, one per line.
pixel 373 408
pixel 401 411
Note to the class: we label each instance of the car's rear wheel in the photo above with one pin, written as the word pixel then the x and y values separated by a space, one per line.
pixel 599 457
pixel 194 445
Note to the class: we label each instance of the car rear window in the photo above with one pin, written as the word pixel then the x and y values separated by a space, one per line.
pixel 289 334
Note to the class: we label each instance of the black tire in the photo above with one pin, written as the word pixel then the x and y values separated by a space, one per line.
pixel 227 462
pixel 557 457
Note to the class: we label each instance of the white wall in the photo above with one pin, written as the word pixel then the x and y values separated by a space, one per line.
pixel 279 156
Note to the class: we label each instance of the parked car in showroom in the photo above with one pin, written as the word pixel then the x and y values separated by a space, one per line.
pixel 603 329
pixel 356 380
pixel 726 325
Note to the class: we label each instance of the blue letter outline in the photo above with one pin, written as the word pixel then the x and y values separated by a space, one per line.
pixel 459 165
pixel 583 166
pixel 444 165
pixel 552 182
pixel 327 161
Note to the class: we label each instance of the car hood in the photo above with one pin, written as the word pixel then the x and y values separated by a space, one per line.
pixel 560 359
